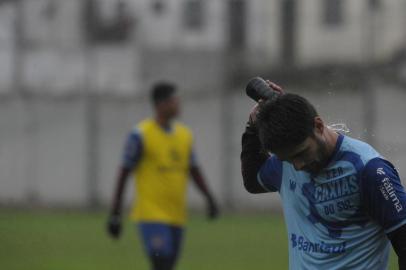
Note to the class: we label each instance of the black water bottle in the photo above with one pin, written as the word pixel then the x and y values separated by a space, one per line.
pixel 257 89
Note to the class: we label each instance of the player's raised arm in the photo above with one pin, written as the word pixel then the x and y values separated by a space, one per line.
pixel 132 153
pixel 252 157
pixel 260 172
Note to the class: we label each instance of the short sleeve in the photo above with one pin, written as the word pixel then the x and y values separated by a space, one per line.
pixel 270 174
pixel 383 194
pixel 132 149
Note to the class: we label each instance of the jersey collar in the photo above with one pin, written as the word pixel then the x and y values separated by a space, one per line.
pixel 336 149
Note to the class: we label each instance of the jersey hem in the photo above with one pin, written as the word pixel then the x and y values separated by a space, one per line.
pixel 151 220
pixel 397 226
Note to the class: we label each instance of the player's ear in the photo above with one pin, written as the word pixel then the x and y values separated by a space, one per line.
pixel 318 125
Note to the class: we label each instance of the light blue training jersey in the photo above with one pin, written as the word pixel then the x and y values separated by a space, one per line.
pixel 339 219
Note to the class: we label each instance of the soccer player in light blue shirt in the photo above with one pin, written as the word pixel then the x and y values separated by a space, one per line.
pixel 343 202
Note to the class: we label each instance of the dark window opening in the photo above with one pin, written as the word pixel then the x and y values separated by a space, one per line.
pixel 99 30
pixel 158 7
pixel 333 12
pixel 194 15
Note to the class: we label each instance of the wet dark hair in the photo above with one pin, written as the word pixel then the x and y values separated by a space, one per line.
pixel 285 122
pixel 162 91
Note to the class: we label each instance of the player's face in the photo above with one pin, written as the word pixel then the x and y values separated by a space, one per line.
pixel 171 107
pixel 311 156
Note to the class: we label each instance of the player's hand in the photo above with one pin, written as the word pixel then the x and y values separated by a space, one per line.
pixel 114 226
pixel 254 110
pixel 212 210
pixel 275 87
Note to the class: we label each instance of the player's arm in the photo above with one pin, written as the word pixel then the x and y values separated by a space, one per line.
pixel 201 184
pixel 132 153
pixel 260 172
pixel 398 240
pixel 385 200
pixel 252 158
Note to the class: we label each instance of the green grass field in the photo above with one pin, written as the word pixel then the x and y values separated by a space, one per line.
pixel 65 240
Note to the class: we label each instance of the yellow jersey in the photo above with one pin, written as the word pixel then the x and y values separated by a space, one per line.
pixel 162 173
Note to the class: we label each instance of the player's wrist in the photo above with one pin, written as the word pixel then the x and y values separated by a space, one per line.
pixel 114 222
pixel 115 217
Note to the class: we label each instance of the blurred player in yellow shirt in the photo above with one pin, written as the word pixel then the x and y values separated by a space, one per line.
pixel 159 152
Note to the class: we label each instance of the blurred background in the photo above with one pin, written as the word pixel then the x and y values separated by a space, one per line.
pixel 75 77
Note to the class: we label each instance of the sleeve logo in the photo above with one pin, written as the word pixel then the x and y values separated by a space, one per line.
pixel 380 171
pixel 388 192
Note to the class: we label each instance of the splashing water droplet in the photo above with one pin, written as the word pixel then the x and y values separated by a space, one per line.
pixel 339 127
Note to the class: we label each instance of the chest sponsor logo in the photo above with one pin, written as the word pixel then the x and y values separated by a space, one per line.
pixel 335 203
pixel 344 187
pixel 300 243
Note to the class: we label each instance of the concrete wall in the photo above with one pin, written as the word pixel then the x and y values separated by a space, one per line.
pixel 43 149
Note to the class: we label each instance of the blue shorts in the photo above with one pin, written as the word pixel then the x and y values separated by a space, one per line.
pixel 161 240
